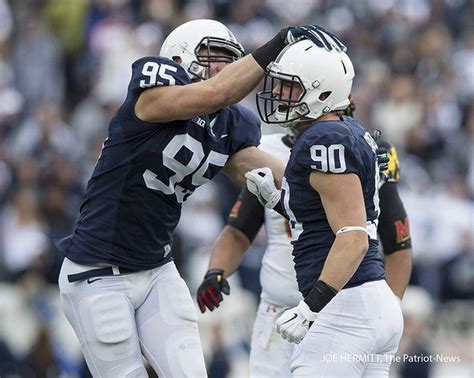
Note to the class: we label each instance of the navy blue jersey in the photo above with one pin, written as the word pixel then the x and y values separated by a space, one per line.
pixel 147 170
pixel 333 147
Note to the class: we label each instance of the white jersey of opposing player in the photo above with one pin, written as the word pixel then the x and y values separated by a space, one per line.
pixel 277 275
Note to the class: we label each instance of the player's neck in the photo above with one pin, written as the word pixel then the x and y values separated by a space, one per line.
pixel 326 117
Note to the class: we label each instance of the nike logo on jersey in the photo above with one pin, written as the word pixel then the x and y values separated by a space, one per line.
pixel 224 136
pixel 289 320
pixel 90 280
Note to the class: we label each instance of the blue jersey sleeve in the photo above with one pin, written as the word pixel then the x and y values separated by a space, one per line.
pixel 154 71
pixel 330 148
pixel 245 128
pixel 148 72
pixel 248 129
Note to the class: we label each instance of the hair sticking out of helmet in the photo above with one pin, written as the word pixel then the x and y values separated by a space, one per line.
pixel 187 41
pixel 321 78
pixel 349 111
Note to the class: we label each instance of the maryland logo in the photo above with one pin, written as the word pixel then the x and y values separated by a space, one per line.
pixel 235 209
pixel 393 171
pixel 403 230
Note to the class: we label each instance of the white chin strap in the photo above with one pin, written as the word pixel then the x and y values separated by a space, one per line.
pixel 352 228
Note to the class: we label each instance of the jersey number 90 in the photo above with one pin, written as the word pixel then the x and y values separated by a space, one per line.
pixel 328 158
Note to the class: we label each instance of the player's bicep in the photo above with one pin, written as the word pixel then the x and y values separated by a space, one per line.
pixel 251 158
pixel 342 198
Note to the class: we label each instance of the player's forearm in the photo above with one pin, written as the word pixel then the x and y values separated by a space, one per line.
pixel 251 158
pixel 236 80
pixel 398 267
pixel 344 258
pixel 228 250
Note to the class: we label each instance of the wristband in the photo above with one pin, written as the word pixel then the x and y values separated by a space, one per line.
pixel 212 272
pixel 267 53
pixel 319 296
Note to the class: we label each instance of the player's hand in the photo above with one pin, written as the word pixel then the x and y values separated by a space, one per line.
pixel 318 35
pixel 260 183
pixel 209 293
pixel 294 323
pixel 382 157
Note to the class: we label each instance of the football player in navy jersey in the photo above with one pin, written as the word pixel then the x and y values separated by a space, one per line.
pixel 174 131
pixel 270 355
pixel 348 322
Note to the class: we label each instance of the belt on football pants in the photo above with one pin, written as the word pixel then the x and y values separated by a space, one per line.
pixel 101 272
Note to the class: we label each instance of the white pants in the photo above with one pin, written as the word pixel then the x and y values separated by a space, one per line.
pixel 356 335
pixel 270 354
pixel 120 318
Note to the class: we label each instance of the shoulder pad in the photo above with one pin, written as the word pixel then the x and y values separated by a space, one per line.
pixel 330 147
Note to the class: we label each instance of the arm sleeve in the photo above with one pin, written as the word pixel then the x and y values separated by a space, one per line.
pixel 393 229
pixel 247 214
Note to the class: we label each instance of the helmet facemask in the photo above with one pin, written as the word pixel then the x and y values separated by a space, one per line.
pixel 229 52
pixel 284 106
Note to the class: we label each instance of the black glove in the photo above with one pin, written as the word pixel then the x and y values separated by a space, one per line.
pixel 382 157
pixel 318 35
pixel 209 293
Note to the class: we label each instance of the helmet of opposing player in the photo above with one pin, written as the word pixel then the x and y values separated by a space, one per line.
pixel 186 42
pixel 305 82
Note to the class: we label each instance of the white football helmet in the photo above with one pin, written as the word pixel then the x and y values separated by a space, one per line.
pixel 186 40
pixel 325 77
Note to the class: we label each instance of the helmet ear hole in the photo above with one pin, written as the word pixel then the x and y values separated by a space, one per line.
pixel 323 96
pixel 177 59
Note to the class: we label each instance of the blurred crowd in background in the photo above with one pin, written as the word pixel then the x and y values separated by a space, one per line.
pixel 64 70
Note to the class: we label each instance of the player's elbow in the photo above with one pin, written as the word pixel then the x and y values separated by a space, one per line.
pixel 360 243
